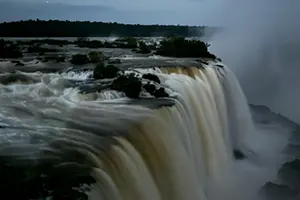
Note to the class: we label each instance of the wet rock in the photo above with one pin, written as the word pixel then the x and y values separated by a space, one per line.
pixel 289 174
pixel 151 77
pixel 14 78
pixel 273 191
pixel 238 154
pixel 129 84
pixel 115 61
pixel 92 88
pixel 160 93
pixel 221 66
pixel 37 48
pixel 150 88
pixel 103 71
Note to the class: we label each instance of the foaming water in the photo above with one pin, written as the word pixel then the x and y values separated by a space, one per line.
pixel 178 152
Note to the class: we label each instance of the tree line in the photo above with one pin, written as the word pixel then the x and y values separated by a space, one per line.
pixel 56 28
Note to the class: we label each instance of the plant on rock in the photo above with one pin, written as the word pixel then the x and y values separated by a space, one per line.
pixel 96 56
pixel 180 47
pixel 79 59
pixel 102 71
pixel 129 84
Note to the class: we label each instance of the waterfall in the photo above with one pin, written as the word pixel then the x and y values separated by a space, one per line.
pixel 136 152
pixel 175 151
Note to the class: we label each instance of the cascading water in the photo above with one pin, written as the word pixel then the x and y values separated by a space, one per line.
pixel 133 150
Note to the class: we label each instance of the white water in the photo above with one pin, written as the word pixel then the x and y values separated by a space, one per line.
pixel 171 153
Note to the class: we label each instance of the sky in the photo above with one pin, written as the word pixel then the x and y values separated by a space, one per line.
pixel 126 11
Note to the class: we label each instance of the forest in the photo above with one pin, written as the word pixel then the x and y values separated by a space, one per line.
pixel 55 28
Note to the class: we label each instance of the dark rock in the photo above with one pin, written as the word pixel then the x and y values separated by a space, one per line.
pixel 151 77
pixel 103 71
pixel 56 58
pixel 221 66
pixel 79 59
pixel 150 88
pixel 273 191
pixel 115 61
pixel 15 77
pixel 289 174
pixel 129 84
pixel 10 51
pixel 238 154
pixel 36 48
pixel 19 64
pixel 160 93
pixel 92 88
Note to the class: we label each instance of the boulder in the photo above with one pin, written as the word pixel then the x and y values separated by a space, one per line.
pixel 151 77
pixel 289 174
pixel 271 191
pixel 129 84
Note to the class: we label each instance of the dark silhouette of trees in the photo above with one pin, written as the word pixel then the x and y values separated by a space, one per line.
pixel 55 28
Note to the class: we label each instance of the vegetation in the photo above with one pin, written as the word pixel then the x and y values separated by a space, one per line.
pixel 79 59
pixel 37 48
pixel 55 28
pixel 129 84
pixel 180 47
pixel 9 50
pixel 143 48
pixel 103 71
pixel 22 178
pixel 84 42
pixel 54 57
pixel 96 56
pixel 44 41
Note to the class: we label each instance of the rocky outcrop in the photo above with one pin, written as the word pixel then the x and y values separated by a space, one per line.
pixel 238 154
pixel 9 50
pixel 7 79
pixel 272 191
pixel 151 77
pixel 289 174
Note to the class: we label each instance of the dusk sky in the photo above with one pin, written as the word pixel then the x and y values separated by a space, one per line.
pixel 192 12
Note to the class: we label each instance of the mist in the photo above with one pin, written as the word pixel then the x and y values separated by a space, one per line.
pixel 261 44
